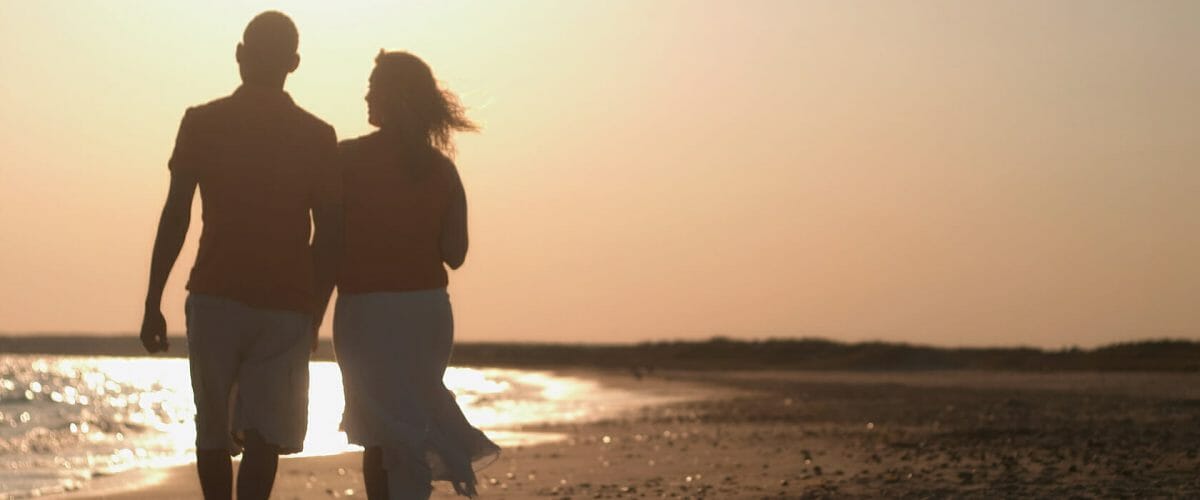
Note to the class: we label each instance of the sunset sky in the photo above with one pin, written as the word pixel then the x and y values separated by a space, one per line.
pixel 950 173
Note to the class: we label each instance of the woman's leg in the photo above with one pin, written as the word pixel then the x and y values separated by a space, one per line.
pixel 392 352
pixel 433 338
pixel 437 343
pixel 374 474
pixel 410 480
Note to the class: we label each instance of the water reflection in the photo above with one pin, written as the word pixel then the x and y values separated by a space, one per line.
pixel 65 418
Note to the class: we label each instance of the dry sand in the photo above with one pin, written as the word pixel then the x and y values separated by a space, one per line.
pixel 832 435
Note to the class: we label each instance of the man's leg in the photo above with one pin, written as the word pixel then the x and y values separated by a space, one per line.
pixel 271 414
pixel 212 328
pixel 216 474
pixel 256 474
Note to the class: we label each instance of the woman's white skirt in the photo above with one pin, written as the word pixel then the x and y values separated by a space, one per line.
pixel 393 348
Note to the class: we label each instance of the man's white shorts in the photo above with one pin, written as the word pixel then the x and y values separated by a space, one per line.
pixel 249 373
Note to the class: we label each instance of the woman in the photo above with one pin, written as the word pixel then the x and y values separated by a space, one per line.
pixel 406 219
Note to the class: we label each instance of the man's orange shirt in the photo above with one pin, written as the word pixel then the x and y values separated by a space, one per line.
pixel 261 163
pixel 393 220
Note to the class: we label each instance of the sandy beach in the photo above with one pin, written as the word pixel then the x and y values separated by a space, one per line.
pixel 829 435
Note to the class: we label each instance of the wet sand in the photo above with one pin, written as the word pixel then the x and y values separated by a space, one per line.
pixel 832 435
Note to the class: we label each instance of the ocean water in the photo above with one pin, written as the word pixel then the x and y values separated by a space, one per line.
pixel 67 419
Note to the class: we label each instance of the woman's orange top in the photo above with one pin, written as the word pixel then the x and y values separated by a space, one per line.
pixel 393 219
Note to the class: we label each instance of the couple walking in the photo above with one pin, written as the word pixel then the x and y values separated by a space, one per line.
pixel 387 213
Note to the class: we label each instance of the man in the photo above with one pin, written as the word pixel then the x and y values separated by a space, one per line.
pixel 262 165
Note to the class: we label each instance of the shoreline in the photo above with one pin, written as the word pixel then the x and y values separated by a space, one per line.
pixel 837 435
pixel 339 475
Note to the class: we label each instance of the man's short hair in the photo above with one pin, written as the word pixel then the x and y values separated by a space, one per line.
pixel 271 35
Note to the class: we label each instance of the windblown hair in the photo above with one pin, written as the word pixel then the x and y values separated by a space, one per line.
pixel 437 111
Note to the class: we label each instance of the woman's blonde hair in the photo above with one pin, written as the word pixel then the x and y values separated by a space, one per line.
pixel 437 111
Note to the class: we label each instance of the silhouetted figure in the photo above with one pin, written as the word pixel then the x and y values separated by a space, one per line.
pixel 406 220
pixel 263 165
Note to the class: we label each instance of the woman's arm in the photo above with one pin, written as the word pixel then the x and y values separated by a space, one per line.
pixel 454 225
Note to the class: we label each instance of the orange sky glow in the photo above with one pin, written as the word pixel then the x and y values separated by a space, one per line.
pixel 940 172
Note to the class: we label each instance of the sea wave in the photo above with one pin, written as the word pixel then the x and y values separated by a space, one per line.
pixel 66 419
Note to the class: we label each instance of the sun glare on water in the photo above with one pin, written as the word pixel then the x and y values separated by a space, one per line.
pixel 144 407
pixel 162 398
pixel 66 418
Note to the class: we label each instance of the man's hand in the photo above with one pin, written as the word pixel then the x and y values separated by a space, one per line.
pixel 172 230
pixel 316 330
pixel 154 331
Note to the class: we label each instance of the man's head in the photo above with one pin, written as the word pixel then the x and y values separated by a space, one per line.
pixel 268 49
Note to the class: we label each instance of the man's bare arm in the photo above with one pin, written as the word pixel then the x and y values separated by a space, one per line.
pixel 328 237
pixel 172 230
